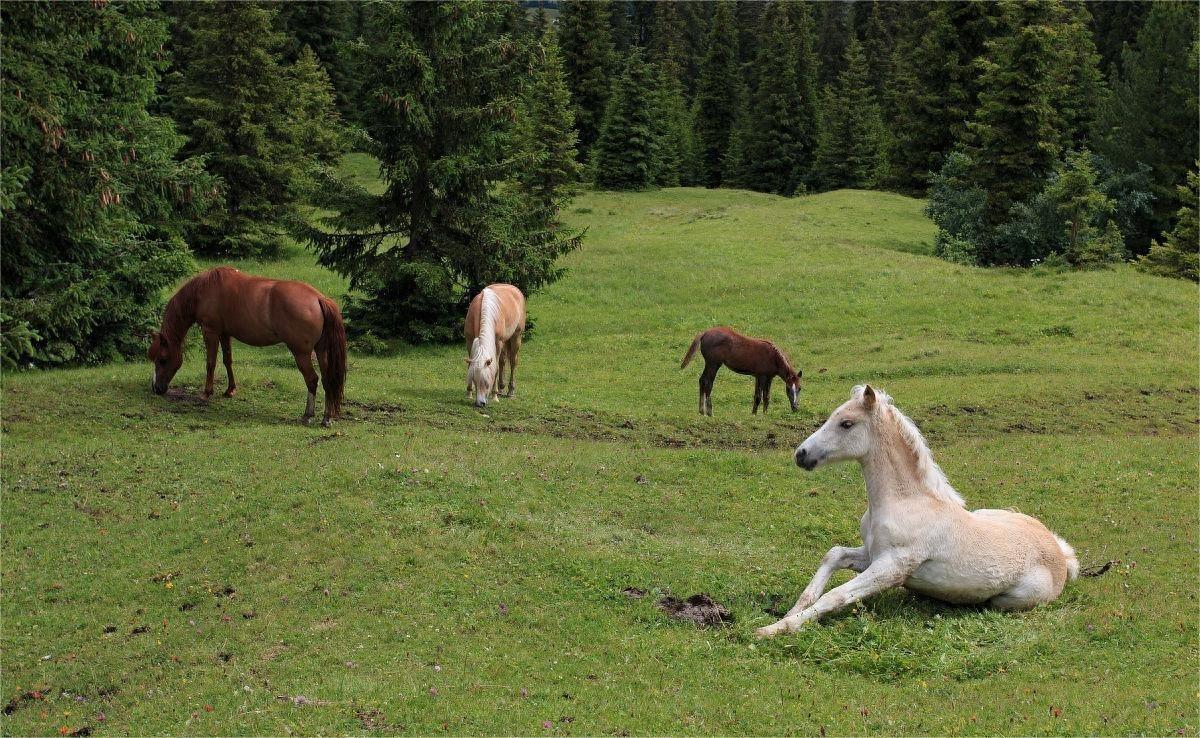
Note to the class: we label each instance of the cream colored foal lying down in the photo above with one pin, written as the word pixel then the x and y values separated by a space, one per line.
pixel 916 531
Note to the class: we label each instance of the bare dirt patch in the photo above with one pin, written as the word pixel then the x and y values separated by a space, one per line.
pixel 699 609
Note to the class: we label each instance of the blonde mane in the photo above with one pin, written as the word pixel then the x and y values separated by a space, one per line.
pixel 928 471
pixel 483 347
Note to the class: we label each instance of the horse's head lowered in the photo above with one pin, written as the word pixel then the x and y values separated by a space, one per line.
pixel 792 381
pixel 481 372
pixel 847 434
pixel 166 357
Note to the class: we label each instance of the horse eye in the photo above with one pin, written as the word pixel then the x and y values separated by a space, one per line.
pixel 847 424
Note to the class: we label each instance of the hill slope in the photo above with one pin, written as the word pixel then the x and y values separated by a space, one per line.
pixel 213 568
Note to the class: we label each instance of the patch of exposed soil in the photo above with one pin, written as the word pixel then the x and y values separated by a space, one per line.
pixel 634 593
pixel 699 609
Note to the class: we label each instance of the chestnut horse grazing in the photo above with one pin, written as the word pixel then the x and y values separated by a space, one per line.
pixel 917 532
pixel 495 324
pixel 743 355
pixel 259 312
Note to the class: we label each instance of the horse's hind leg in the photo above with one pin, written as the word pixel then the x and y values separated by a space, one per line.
pixel 766 392
pixel 227 355
pixel 514 347
pixel 304 364
pixel 757 395
pixel 706 384
pixel 1035 588
pixel 323 362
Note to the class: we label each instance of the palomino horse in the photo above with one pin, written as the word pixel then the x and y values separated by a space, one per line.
pixel 743 355
pixel 916 531
pixel 259 312
pixel 495 324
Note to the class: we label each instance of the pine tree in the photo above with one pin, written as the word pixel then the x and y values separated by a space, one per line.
pixel 668 47
pixel 934 86
pixel 674 131
pixel 1084 211
pixel 236 104
pixel 717 96
pixel 92 197
pixel 316 124
pixel 833 31
pixel 877 45
pixel 771 140
pixel 1178 255
pixel 1077 72
pixel 808 103
pixel 1152 117
pixel 1015 134
pixel 1114 25
pixel 627 155
pixel 548 129
pixel 442 88
pixel 850 151
pixel 587 48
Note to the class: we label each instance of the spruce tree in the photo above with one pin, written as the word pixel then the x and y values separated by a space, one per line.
pixel 1084 211
pixel 316 125
pixel 628 155
pixel 833 31
pixel 92 197
pixel 808 103
pixel 934 86
pixel 674 130
pixel 1114 25
pixel 1016 131
pixel 237 107
pixel 771 140
pixel 1152 115
pixel 586 42
pixel 1081 88
pixel 718 95
pixel 442 90
pixel 850 150
pixel 548 129
pixel 877 46
pixel 1178 255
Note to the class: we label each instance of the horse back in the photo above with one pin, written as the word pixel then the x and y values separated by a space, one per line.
pixel 742 354
pixel 260 311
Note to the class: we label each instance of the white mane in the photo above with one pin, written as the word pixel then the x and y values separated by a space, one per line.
pixel 483 347
pixel 930 474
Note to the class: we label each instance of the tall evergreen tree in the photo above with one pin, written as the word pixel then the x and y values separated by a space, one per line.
pixel 850 151
pixel 808 103
pixel 833 31
pixel 877 46
pixel 771 141
pixel 1077 73
pixel 1152 117
pixel 718 95
pixel 92 197
pixel 318 128
pixel 668 45
pixel 934 86
pixel 628 155
pixel 674 131
pixel 548 129
pixel 1015 134
pixel 237 106
pixel 442 88
pixel 587 47
pixel 1115 25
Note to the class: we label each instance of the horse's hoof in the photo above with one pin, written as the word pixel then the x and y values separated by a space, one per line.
pixel 230 392
pixel 326 423
pixel 765 632
pixel 306 420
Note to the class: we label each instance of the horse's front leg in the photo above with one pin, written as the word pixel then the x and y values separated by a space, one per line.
pixel 210 365
pixel 838 558
pixel 757 395
pixel 227 355
pixel 766 392
pixel 881 575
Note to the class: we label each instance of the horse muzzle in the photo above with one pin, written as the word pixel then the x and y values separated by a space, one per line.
pixel 804 460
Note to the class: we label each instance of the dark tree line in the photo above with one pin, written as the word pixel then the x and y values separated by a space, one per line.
pixel 136 134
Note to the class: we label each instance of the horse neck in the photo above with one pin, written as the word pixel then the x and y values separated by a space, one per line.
pixel 891 468
pixel 179 315
pixel 783 369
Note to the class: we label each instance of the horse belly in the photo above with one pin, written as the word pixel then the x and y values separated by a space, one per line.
pixel 957 583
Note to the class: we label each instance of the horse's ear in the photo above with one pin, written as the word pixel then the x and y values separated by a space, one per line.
pixel 868 397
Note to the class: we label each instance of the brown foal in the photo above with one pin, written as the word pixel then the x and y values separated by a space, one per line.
pixel 744 355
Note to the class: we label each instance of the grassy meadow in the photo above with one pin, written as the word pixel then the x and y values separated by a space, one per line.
pixel 172 566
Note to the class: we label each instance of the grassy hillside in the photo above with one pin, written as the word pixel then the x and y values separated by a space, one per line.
pixel 173 566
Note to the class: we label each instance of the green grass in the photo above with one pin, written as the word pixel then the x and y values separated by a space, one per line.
pixel 422 567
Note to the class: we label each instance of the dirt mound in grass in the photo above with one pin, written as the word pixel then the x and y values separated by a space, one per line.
pixel 699 609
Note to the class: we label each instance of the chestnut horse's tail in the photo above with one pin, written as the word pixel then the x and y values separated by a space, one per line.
pixel 333 344
pixel 687 358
